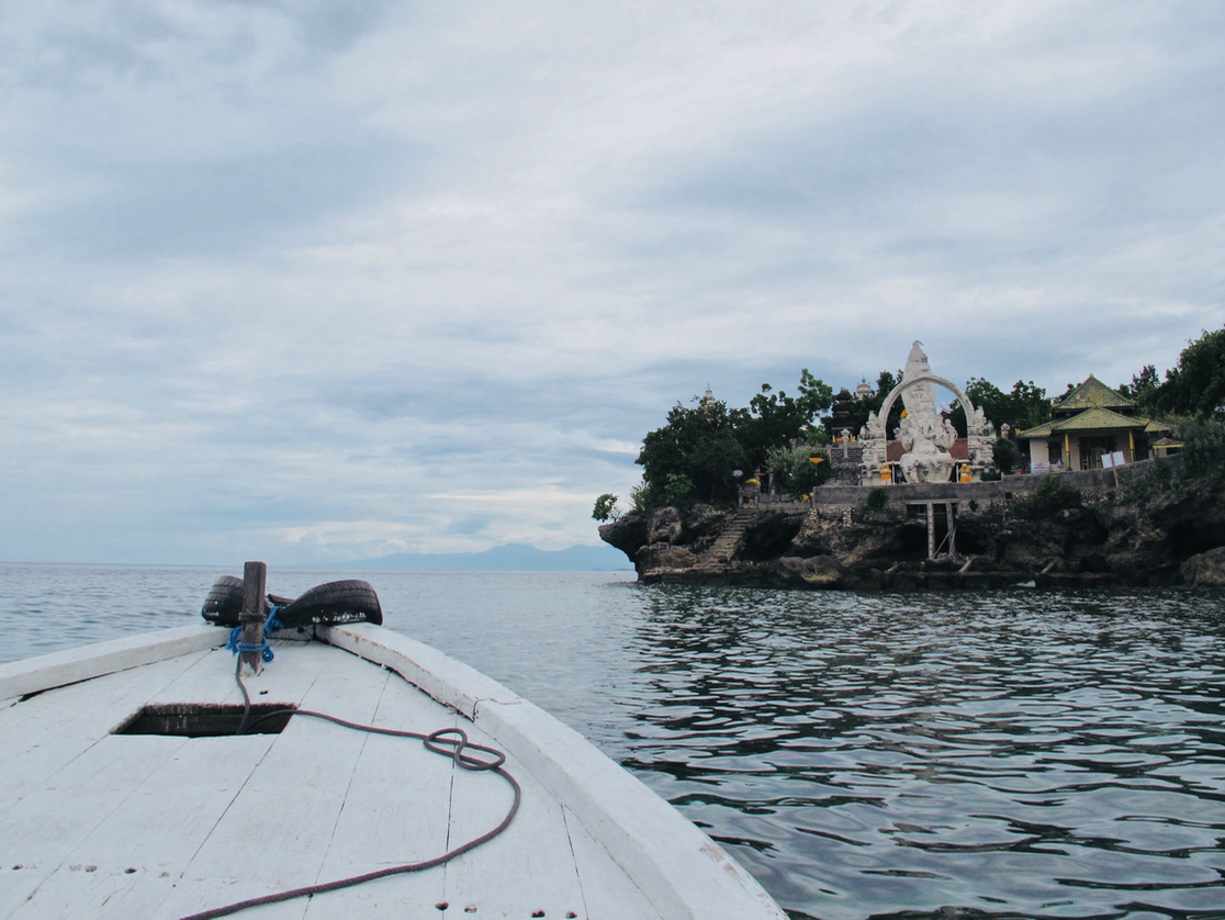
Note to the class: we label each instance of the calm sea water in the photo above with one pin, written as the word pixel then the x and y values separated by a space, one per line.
pixel 1008 754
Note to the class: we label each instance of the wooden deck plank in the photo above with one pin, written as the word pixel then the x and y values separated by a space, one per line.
pixel 18 678
pixel 211 680
pixel 60 725
pixel 528 868
pixel 321 798
pixel 260 846
pixel 608 893
pixel 141 847
pixel 396 812
pixel 70 700
pixel 684 872
pixel 42 829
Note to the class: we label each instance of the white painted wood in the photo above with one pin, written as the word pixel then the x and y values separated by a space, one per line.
pixel 287 811
pixel 608 892
pixel 681 870
pixel 319 801
pixel 18 678
pixel 396 811
pixel 44 827
pixel 450 682
pixel 150 831
pixel 44 734
pixel 530 867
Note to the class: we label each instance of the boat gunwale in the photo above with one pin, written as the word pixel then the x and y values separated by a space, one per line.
pixel 71 666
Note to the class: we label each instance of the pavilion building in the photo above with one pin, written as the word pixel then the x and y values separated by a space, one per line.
pixel 1090 421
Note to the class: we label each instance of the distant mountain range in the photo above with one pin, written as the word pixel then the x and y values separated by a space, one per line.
pixel 513 557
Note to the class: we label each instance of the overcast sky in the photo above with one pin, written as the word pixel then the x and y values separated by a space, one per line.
pixel 315 280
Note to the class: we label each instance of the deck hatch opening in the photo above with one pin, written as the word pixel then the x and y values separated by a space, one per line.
pixel 203 720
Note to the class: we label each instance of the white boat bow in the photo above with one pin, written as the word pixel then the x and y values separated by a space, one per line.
pixel 94 823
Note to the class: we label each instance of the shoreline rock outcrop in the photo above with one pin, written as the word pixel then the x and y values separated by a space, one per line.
pixel 1174 537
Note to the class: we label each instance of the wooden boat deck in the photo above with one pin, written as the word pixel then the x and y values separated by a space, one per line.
pixel 107 825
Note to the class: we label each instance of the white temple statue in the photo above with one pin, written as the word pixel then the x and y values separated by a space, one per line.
pixel 926 437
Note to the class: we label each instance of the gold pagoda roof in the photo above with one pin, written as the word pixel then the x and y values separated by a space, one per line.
pixel 1092 394
pixel 1095 419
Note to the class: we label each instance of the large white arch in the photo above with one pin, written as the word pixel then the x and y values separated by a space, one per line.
pixel 883 417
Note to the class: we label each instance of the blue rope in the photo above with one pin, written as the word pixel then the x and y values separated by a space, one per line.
pixel 272 624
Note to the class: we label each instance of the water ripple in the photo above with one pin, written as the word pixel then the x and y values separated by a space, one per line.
pixel 1016 754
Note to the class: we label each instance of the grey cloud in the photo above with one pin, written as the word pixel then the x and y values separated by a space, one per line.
pixel 88 44
pixel 223 206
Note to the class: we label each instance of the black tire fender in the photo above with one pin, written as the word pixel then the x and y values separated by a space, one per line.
pixel 224 601
pixel 348 601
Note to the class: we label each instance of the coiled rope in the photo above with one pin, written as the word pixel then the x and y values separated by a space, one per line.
pixel 272 624
pixel 449 742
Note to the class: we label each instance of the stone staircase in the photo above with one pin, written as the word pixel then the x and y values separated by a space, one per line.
pixel 721 551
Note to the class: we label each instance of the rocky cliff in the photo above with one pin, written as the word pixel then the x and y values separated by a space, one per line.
pixel 1175 537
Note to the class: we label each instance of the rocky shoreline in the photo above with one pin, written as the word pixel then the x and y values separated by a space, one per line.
pixel 843 541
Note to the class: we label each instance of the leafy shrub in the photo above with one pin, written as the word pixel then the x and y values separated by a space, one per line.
pixel 1052 494
pixel 793 468
pixel 877 500
pixel 642 498
pixel 1006 455
pixel 876 504
pixel 677 489
pixel 1139 489
pixel 1203 443
pixel 992 476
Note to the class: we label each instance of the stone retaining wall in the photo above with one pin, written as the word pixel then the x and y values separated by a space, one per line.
pixel 1094 484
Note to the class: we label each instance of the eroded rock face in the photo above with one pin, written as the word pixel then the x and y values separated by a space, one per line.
pixel 815 571
pixel 1205 569
pixel 657 557
pixel 694 528
pixel 1178 537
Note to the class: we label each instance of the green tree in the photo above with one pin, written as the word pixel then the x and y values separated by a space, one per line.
pixel 605 507
pixel 1005 455
pixel 775 419
pixel 691 458
pixel 1197 385
pixel 1025 407
pixel 1203 442
pixel 1143 389
pixel 1030 404
pixel 793 469
pixel 698 444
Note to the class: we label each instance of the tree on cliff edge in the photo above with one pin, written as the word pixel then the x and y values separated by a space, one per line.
pixel 692 457
pixel 697 446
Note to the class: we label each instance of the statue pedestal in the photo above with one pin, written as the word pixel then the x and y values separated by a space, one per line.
pixel 928 466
